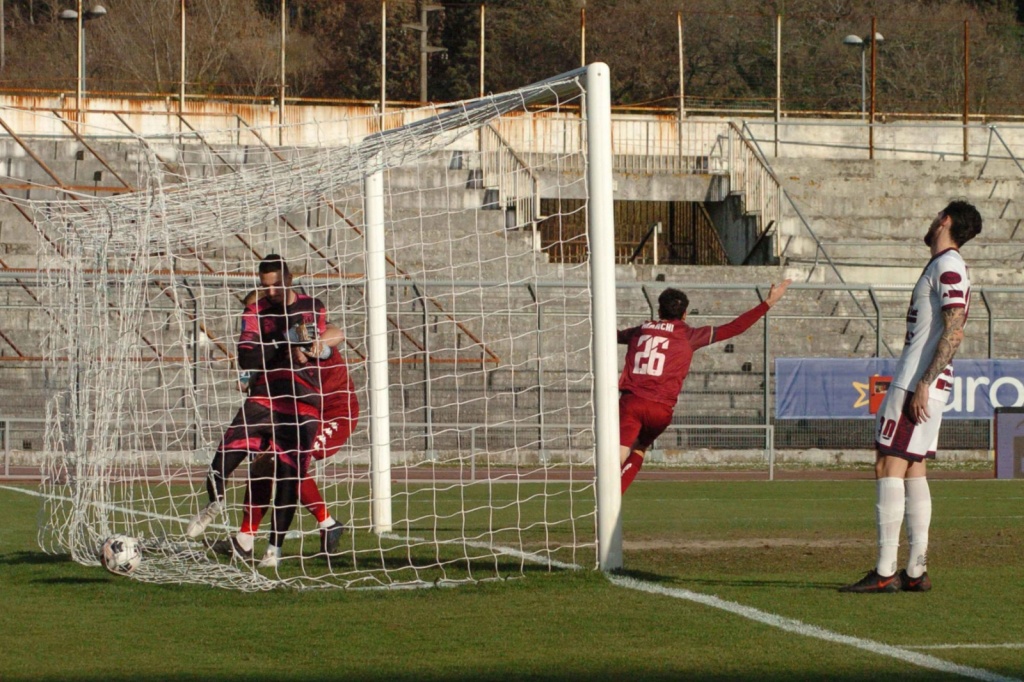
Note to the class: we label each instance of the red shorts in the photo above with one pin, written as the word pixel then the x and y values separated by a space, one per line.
pixel 641 421
pixel 339 420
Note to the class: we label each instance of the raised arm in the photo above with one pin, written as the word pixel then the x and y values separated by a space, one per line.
pixel 747 319
pixel 952 335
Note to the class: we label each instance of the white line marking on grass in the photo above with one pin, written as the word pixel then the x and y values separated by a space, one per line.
pixel 1007 645
pixel 800 628
pixel 110 507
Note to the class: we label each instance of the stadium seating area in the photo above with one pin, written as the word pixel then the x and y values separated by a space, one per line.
pixel 869 216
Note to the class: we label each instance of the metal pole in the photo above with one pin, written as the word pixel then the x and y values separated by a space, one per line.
pixel 967 58
pixel 878 323
pixel 540 380
pixel 428 394
pixel 181 70
pixel 583 36
pixel 871 118
pixel 682 65
pixel 81 61
pixel 377 355
pixel 767 405
pixel 483 17
pixel 863 82
pixel 682 78
pixel 383 60
pixel 423 52
pixel 778 79
pixel 280 102
pixel 991 328
pixel 600 218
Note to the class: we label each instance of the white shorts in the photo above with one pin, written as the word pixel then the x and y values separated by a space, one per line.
pixel 897 435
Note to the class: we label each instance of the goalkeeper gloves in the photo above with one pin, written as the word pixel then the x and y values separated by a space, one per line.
pixel 303 334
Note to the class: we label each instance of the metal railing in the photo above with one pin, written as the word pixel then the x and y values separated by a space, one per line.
pixel 726 404
pixel 750 175
pixel 512 178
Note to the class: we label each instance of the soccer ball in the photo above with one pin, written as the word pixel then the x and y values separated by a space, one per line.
pixel 121 554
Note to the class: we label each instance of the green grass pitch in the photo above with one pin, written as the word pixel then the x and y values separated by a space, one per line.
pixel 780 547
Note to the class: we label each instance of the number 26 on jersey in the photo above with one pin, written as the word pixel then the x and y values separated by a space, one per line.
pixel 650 358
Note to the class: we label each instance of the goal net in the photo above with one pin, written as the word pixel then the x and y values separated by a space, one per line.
pixel 469 352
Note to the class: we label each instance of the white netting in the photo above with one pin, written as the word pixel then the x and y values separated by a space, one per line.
pixel 490 384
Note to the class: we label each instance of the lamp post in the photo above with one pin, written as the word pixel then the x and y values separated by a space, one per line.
pixel 863 44
pixel 80 17
pixel 425 49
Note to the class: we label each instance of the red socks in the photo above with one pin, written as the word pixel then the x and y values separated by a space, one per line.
pixel 630 468
pixel 257 499
pixel 311 499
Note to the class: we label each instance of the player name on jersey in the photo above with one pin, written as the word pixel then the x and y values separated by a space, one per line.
pixel 659 326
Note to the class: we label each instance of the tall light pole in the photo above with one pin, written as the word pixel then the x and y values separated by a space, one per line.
pixel 863 44
pixel 425 50
pixel 80 17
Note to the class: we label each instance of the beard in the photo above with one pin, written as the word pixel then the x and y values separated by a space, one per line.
pixel 929 238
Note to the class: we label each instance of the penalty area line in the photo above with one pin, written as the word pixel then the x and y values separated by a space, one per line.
pixel 800 628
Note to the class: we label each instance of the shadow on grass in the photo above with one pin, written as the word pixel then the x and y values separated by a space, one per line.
pixel 69 581
pixel 674 581
pixel 32 559
pixel 344 562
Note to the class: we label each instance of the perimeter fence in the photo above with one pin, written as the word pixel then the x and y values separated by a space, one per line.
pixel 726 412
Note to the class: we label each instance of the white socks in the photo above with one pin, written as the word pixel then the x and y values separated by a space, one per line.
pixel 327 523
pixel 919 516
pixel 898 497
pixel 889 515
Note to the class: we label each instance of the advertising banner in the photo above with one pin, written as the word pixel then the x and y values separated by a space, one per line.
pixel 831 388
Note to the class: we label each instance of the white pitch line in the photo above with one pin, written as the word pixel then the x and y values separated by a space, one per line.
pixel 1006 645
pixel 800 628
pixel 292 534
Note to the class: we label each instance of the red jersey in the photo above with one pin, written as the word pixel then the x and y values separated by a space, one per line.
pixel 282 384
pixel 660 352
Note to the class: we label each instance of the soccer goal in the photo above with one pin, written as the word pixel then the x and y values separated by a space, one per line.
pixel 485 370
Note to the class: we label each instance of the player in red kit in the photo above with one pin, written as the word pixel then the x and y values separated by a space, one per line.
pixel 657 362
pixel 301 405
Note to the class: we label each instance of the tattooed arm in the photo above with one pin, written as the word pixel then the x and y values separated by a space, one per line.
pixel 953 321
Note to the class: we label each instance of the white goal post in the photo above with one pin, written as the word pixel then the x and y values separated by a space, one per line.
pixel 484 366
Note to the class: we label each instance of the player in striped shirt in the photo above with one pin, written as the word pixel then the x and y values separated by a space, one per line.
pixel 907 432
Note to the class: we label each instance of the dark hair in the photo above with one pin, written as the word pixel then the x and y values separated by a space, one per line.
pixel 672 304
pixel 966 221
pixel 275 263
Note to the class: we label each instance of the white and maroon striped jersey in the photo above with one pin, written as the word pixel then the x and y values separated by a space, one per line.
pixel 944 284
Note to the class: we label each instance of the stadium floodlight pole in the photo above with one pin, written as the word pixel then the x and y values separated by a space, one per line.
pixel 600 217
pixel 80 17
pixel 863 44
pixel 377 354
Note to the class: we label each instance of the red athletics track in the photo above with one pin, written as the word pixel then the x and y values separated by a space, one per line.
pixel 425 472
